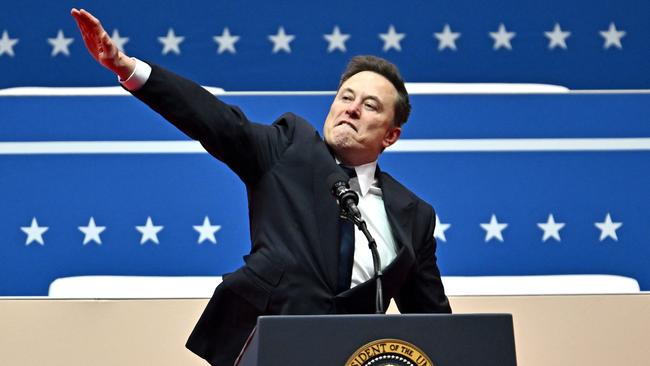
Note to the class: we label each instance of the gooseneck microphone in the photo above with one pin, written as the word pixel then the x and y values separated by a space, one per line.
pixel 348 200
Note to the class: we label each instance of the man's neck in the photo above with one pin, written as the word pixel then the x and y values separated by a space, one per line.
pixel 352 160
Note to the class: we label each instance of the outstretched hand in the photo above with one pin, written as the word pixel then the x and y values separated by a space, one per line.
pixel 100 46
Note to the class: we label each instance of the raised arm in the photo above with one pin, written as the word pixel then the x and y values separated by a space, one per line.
pixel 100 46
pixel 249 149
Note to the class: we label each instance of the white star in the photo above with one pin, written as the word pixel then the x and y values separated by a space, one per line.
pixel 226 41
pixel 34 232
pixel 7 44
pixel 171 42
pixel 149 231
pixel 336 40
pixel 493 229
pixel 612 37
pixel 207 231
pixel 502 38
pixel 557 37
pixel 439 230
pixel 281 41
pixel 60 44
pixel 447 38
pixel 392 39
pixel 119 41
pixel 608 228
pixel 91 232
pixel 551 228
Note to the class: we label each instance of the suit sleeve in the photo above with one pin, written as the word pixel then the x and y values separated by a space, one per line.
pixel 248 148
pixel 423 291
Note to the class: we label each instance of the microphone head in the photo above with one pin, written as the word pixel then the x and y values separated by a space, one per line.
pixel 337 181
pixel 341 189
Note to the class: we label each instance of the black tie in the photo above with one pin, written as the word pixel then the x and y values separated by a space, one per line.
pixel 346 240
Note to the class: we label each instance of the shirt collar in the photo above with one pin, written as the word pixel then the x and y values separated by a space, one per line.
pixel 365 176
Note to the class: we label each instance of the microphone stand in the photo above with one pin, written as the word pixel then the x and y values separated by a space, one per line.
pixel 376 261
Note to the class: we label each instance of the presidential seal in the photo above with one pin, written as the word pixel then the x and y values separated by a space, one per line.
pixel 389 352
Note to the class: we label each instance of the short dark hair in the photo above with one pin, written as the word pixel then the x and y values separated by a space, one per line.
pixel 386 69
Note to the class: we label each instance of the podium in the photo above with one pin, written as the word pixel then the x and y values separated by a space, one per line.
pixel 382 340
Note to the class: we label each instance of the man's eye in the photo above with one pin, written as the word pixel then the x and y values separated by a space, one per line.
pixel 371 106
pixel 346 97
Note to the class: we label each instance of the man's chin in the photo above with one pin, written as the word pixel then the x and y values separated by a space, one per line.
pixel 340 142
pixel 345 152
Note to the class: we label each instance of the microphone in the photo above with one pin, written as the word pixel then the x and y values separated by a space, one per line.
pixel 347 198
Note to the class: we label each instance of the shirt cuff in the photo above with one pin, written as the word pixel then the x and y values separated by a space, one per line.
pixel 139 76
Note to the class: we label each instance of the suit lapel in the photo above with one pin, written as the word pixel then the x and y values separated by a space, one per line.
pixel 399 207
pixel 327 213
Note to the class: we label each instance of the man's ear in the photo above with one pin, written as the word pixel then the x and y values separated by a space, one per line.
pixel 392 135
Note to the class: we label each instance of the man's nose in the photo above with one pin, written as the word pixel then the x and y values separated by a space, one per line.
pixel 353 109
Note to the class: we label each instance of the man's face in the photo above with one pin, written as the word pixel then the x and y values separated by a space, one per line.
pixel 359 124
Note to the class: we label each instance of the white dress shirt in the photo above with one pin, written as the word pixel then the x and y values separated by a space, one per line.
pixel 371 205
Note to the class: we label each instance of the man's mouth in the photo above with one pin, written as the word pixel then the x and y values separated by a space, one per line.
pixel 347 123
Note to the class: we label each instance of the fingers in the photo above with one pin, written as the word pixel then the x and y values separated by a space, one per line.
pixel 82 24
pixel 89 37
pixel 100 45
pixel 87 21
pixel 94 21
pixel 76 15
pixel 95 37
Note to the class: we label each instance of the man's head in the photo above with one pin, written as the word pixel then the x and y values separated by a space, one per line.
pixel 370 107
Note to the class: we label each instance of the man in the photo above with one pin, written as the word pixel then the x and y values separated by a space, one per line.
pixel 296 265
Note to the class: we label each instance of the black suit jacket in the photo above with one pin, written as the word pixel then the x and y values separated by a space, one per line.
pixel 292 268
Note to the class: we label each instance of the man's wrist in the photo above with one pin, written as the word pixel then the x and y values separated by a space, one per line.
pixel 124 67
pixel 138 75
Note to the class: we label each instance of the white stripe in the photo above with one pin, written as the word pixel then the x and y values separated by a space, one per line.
pixel 519 145
pixel 441 145
pixel 119 91
pixel 101 147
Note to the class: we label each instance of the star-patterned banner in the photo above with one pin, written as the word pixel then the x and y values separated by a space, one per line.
pixel 522 184
pixel 298 45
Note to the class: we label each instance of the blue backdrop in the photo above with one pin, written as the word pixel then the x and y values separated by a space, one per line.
pixel 579 182
pixel 462 167
pixel 576 54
